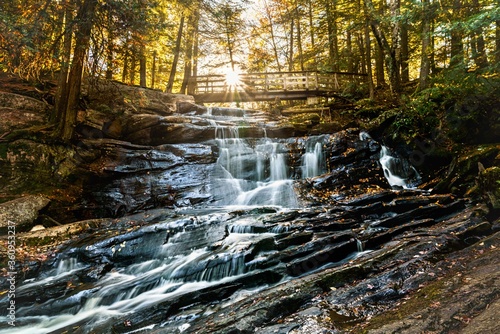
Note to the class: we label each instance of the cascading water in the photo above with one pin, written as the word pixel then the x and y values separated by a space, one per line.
pixel 170 261
pixel 398 172
pixel 313 160
pixel 251 171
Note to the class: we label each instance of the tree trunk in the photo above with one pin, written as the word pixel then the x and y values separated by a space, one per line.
pixel 425 63
pixel 153 70
pixel 273 37
pixel 391 60
pixel 192 84
pixel 62 87
pixel 333 44
pixel 177 51
pixel 133 66
pixel 290 51
pixel 405 54
pixel 368 52
pixel 69 109
pixel 497 38
pixel 311 23
pixel 457 47
pixel 477 41
pixel 349 55
pixel 142 66
pixel 299 39
pixel 188 57
pixel 126 58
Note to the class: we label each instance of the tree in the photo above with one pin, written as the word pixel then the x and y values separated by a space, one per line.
pixel 71 85
pixel 425 63
pixel 391 60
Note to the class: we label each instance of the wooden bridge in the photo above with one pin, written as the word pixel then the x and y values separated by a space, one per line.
pixel 272 86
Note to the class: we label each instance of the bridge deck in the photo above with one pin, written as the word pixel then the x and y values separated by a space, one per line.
pixel 270 86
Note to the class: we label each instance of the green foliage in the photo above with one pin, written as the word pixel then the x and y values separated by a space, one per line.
pixel 463 105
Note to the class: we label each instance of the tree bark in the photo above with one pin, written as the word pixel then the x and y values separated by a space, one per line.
pixel 142 66
pixel 69 109
pixel 177 51
pixel 425 63
pixel 391 59
pixel 457 47
pixel 62 88
pixel 290 51
pixel 333 44
pixel 153 70
pixel 405 54
pixel 368 52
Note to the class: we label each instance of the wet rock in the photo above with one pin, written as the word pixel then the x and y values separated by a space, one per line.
pixel 20 214
pixel 157 130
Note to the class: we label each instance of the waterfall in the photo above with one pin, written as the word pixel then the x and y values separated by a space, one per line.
pixel 313 160
pixel 251 171
pixel 398 172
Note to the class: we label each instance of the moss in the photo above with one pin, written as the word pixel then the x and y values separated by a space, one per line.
pixel 423 298
pixel 4 147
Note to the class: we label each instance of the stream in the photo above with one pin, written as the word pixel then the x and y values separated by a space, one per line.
pixel 182 264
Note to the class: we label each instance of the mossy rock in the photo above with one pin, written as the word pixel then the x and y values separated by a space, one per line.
pixel 464 169
pixel 489 186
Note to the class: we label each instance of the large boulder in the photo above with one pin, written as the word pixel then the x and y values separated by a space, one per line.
pixel 155 130
pixel 123 99
pixel 20 214
pixel 18 111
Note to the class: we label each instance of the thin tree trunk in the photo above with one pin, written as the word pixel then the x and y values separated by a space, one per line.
pixel 133 67
pixel 349 56
pixel 391 60
pixel 125 73
pixel 477 39
pixel 62 88
pixel 177 50
pixel 290 51
pixel 142 66
pixel 273 37
pixel 457 47
pixel 311 23
pixel 299 40
pixel 84 24
pixel 405 54
pixel 425 64
pixel 192 84
pixel 368 52
pixel 333 45
pixel 153 70
pixel 188 57
pixel 497 38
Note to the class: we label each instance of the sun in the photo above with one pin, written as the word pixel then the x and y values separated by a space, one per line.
pixel 232 77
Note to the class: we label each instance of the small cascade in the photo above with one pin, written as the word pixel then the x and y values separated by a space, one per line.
pixel 67 265
pixel 251 171
pixel 313 160
pixel 360 246
pixel 398 172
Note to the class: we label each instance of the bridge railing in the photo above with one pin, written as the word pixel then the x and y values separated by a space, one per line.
pixel 277 82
